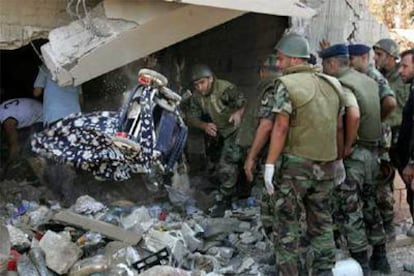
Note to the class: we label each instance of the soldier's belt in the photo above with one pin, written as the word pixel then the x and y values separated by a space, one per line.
pixel 368 144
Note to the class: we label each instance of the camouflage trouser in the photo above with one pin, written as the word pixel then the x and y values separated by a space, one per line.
pixel 385 194
pixel 228 166
pixel 302 226
pixel 267 211
pixel 356 200
pixel 385 197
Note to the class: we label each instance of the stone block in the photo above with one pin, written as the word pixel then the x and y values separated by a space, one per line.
pixel 60 252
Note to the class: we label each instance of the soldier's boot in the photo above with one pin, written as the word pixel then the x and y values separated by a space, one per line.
pixel 390 231
pixel 378 260
pixel 362 258
pixel 222 204
pixel 410 231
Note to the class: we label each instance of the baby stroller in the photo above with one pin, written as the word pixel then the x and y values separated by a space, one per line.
pixel 147 133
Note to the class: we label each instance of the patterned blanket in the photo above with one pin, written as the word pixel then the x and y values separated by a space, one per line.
pixel 86 141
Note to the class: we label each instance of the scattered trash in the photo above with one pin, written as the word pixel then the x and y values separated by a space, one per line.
pixel 89 266
pixel 87 205
pixel 92 238
pixel 158 258
pixel 4 248
pixel 26 267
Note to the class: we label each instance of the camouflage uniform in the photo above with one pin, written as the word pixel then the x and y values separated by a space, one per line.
pixel 265 111
pixel 255 110
pixel 223 99
pixel 338 215
pixel 385 194
pixel 301 204
pixel 357 194
pixel 259 109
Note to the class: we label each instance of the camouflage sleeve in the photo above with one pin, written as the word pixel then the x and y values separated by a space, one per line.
pixel 383 86
pixel 266 105
pixel 194 109
pixel 384 89
pixel 233 97
pixel 281 101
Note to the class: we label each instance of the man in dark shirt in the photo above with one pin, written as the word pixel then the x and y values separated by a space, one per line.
pixel 406 138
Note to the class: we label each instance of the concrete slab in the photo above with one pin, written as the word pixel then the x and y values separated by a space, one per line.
pixel 106 229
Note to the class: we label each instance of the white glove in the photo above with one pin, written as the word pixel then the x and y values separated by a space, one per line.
pixel 340 173
pixel 268 178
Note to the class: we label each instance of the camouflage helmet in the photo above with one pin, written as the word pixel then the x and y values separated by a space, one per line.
pixel 200 71
pixel 389 46
pixel 293 45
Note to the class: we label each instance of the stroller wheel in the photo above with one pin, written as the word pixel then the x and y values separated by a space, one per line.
pixel 153 76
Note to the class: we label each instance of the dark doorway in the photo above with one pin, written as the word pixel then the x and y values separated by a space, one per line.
pixel 18 69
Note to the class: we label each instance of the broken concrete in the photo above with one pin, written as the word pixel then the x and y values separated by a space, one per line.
pixel 106 229
pixel 18 238
pixel 348 21
pixel 60 252
pixel 82 48
pixel 25 20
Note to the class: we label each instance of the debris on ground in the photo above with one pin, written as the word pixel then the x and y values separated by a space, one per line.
pixel 158 239
pixel 169 236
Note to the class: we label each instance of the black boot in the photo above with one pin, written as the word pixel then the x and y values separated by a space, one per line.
pixel 390 231
pixel 379 261
pixel 362 258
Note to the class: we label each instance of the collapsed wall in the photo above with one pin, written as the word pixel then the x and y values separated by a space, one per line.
pixel 85 45
pixel 22 21
pixel 340 21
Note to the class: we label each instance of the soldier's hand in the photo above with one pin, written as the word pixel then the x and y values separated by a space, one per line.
pixel 248 169
pixel 211 129
pixel 268 178
pixel 235 118
pixel 347 151
pixel 324 43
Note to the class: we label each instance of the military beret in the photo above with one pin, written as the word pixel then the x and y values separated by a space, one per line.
pixel 358 49
pixel 334 50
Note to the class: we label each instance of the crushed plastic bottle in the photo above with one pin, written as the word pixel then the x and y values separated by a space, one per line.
pixel 154 211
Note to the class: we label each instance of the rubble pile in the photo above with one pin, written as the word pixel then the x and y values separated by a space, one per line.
pixel 124 239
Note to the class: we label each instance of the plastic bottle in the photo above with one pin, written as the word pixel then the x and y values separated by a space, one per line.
pixel 89 238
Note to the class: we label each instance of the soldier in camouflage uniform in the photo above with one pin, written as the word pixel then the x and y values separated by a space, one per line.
pixel 359 58
pixel 357 194
pixel 304 100
pixel 261 128
pixel 351 124
pixel 386 56
pixel 224 104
